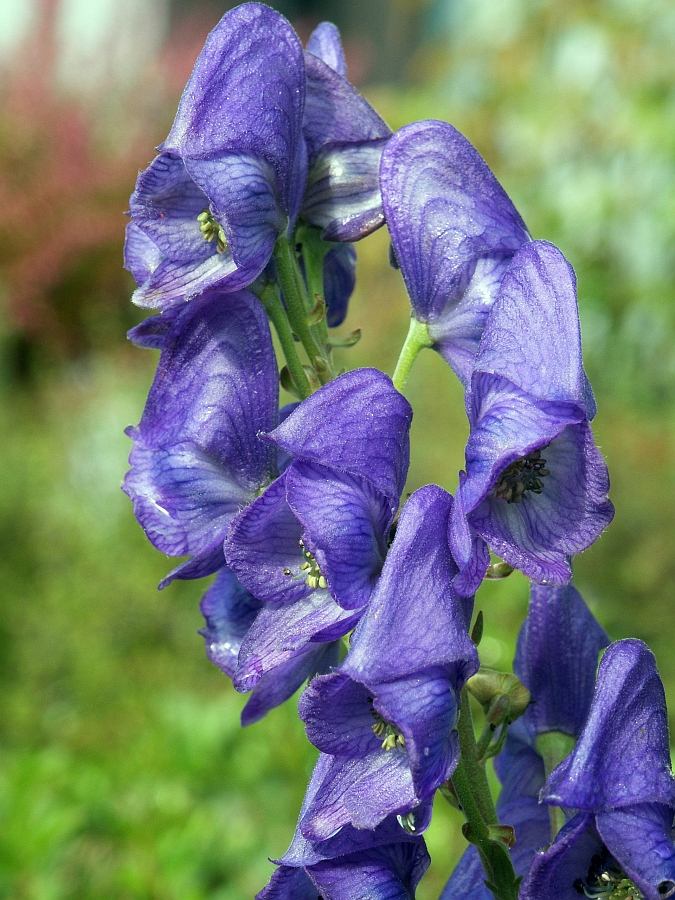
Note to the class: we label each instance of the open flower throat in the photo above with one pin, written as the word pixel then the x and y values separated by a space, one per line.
pixel 390 736
pixel 606 880
pixel 523 475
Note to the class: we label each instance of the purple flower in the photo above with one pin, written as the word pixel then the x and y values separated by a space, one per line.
pixel 308 544
pixel 312 545
pixel 387 862
pixel 345 139
pixel 454 231
pixel 385 720
pixel 230 175
pixel 196 457
pixel 535 487
pixel 229 611
pixel 258 122
pixel 556 659
pixel 618 779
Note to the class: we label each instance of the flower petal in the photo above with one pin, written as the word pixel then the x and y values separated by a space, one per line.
pixel 339 278
pixel 389 872
pixel 216 385
pixel 641 840
pixel 242 191
pixel 445 211
pixel 413 621
pixel 229 611
pixel 282 633
pixel 539 532
pixel 622 756
pixel 151 332
pixel 141 255
pixel 468 879
pixel 173 283
pixel 339 716
pixel 181 496
pixel 457 330
pixel 357 424
pixel 165 205
pixel 288 884
pixel 343 190
pixel 206 563
pixel 281 683
pixel 345 526
pixel 196 456
pixel 533 337
pixel 554 872
pixel 347 840
pixel 325 43
pixel 359 792
pixel 335 112
pixel 424 709
pixel 263 547
pixel 246 95
pixel 557 658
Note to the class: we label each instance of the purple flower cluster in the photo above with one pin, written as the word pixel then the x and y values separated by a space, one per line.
pixel 273 168
pixel 614 794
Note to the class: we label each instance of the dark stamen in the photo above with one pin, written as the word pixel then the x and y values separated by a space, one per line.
pixel 523 475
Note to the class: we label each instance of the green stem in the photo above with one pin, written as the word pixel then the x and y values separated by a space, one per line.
pixel 473 792
pixel 294 293
pixel 314 250
pixel 275 310
pixel 417 338
pixel 470 760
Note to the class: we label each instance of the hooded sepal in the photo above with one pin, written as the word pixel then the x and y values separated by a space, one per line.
pixel 453 230
pixel 556 659
pixel 622 757
pixel 392 706
pixel 345 138
pixel 325 43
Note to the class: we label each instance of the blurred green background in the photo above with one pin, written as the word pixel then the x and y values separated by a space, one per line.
pixel 123 770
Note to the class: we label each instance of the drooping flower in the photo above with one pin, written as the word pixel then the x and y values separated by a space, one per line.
pixel 385 719
pixel 196 456
pixel 263 132
pixel 556 660
pixel 229 611
pixel 312 545
pixel 618 779
pixel 535 486
pixel 230 176
pixel 388 861
pixel 454 231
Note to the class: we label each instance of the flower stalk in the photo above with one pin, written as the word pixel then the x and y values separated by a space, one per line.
pixel 293 289
pixel 471 787
pixel 417 339
pixel 277 315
